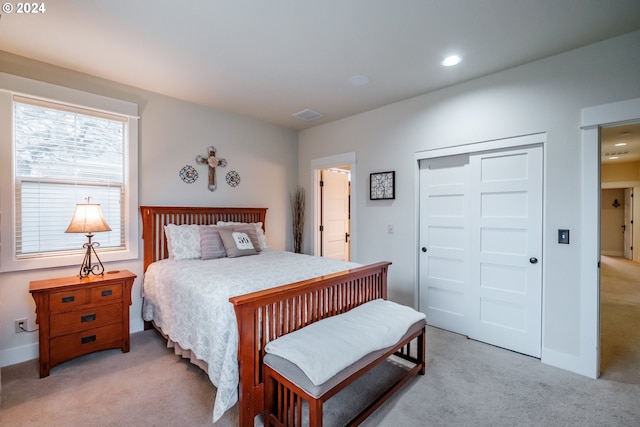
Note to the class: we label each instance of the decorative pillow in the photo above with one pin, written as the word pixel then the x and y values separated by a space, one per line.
pixel 236 243
pixel 183 241
pixel 211 245
pixel 250 229
pixel 262 239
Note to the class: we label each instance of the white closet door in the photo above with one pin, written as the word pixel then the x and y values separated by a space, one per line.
pixel 444 280
pixel 506 249
pixel 481 243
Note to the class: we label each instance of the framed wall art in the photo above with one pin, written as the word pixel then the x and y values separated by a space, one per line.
pixel 382 186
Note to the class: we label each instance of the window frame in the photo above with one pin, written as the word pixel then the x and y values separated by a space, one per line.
pixel 11 86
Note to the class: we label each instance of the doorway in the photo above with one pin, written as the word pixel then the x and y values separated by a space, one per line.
pixel 620 257
pixel 593 120
pixel 339 162
pixel 335 213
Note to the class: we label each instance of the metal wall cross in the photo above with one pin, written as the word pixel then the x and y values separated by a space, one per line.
pixel 213 162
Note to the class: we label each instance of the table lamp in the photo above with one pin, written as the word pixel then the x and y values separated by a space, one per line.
pixel 88 219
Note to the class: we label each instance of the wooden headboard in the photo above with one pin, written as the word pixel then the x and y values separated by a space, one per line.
pixel 154 218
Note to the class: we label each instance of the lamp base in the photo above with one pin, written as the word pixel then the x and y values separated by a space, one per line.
pixel 87 268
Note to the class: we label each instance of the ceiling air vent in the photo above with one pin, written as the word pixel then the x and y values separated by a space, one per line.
pixel 616 153
pixel 307 115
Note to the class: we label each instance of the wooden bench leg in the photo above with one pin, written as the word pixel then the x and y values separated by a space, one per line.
pixel 422 351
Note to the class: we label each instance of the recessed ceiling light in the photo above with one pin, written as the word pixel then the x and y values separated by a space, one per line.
pixel 620 144
pixel 452 60
pixel 359 80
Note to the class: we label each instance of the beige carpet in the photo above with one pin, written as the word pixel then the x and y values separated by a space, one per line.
pixel 148 386
pixel 467 384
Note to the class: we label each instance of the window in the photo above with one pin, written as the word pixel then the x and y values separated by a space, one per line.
pixel 62 153
pixel 62 156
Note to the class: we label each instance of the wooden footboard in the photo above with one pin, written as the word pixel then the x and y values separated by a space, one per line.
pixel 266 315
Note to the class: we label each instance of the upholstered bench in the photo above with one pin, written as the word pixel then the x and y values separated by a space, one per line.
pixel 314 363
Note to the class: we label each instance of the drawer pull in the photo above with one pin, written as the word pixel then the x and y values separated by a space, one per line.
pixel 90 338
pixel 107 292
pixel 88 317
pixel 68 299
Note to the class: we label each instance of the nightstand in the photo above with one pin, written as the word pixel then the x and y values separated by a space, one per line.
pixel 80 316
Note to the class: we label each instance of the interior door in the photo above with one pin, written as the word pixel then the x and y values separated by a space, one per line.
pixel 335 214
pixel 481 246
pixel 628 223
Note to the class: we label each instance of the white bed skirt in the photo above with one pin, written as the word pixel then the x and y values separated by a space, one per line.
pixel 183 352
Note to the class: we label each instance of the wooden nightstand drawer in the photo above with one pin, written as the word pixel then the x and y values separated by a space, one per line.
pixel 68 346
pixel 67 300
pixel 80 320
pixel 107 293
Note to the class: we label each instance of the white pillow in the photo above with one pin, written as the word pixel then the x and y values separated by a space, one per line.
pixel 259 231
pixel 183 241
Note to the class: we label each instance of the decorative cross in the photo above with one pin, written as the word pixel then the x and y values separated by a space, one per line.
pixel 213 162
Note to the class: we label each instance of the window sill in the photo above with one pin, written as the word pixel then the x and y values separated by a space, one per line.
pixel 65 260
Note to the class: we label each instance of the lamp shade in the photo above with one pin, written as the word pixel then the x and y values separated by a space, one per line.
pixel 87 219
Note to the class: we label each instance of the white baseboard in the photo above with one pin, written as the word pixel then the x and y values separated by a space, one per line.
pixel 19 354
pixel 569 362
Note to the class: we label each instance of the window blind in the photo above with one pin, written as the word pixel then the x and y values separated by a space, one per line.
pixel 64 154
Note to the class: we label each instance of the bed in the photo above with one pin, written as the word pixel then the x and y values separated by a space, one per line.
pixel 238 313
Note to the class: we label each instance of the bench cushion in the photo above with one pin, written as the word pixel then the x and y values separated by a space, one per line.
pixel 294 374
pixel 324 348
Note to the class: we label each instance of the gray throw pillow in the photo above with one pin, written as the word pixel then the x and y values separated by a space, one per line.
pixel 211 246
pixel 236 243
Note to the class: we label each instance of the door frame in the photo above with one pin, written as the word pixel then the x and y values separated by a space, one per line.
pixel 627 238
pixel 593 118
pixel 317 165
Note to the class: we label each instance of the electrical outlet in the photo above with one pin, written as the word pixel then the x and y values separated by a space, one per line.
pixel 21 325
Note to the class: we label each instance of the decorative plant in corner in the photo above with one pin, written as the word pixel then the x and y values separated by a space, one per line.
pixel 297 212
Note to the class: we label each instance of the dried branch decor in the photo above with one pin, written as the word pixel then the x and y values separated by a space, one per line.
pixel 297 212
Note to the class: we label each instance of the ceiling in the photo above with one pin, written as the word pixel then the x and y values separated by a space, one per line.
pixel 620 144
pixel 270 59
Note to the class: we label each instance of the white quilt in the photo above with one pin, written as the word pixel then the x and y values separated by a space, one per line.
pixel 189 301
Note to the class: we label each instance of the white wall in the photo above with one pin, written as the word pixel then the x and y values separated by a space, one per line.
pixel 544 96
pixel 172 134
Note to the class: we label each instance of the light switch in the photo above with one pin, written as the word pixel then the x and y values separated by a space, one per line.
pixel 563 236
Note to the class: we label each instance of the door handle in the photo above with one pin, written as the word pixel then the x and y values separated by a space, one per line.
pixel 533 260
pixel 424 249
pixel 346 237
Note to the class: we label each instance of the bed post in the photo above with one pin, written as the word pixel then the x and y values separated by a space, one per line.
pixel 250 396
